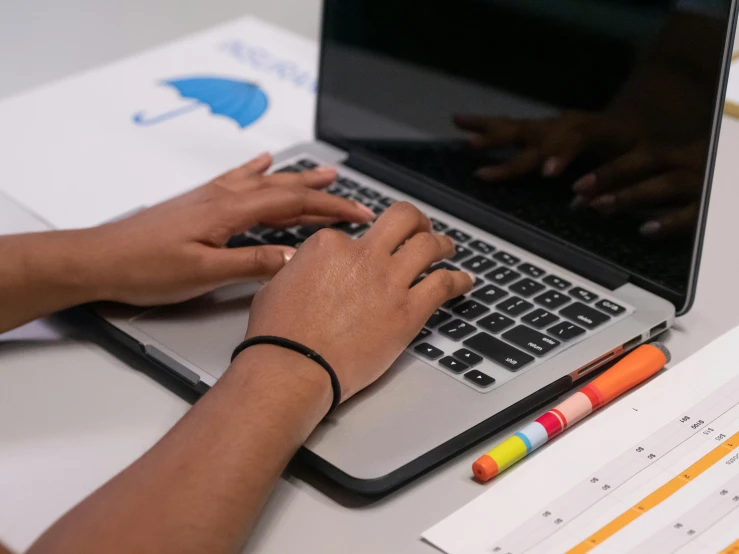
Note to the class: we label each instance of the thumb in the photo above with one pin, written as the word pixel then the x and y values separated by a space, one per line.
pixel 253 262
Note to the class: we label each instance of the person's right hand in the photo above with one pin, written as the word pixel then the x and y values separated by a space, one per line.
pixel 352 300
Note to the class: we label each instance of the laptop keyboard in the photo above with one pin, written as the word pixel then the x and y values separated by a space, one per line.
pixel 518 314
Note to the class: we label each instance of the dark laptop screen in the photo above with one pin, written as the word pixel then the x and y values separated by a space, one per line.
pixel 588 120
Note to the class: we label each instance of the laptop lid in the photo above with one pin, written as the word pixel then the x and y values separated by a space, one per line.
pixel 583 130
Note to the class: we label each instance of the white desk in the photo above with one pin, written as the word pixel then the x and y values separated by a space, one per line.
pixel 76 414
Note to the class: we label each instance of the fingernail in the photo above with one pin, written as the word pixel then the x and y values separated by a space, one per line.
pixel 263 157
pixel 325 169
pixel 604 202
pixel 584 184
pixel 287 255
pixel 577 204
pixel 650 228
pixel 551 167
pixel 365 209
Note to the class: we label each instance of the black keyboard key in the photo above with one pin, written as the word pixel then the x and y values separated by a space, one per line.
pixel 335 190
pixel 421 335
pixel 459 236
pixel 468 357
pixel 556 282
pixel 438 226
pixel 352 229
pixel 566 331
pixel 495 323
pixel 387 202
pixel 531 270
pixel 584 315
pixel 584 295
pixel 369 193
pixel 306 232
pixel 470 309
pixel 442 265
pixel 531 341
pixel 481 247
pixel 502 276
pixel 499 352
pixel 481 379
pixel 506 258
pixel 242 241
pixel 552 299
pixel 453 365
pixel 526 287
pixel 454 301
pixel 348 183
pixel 457 329
pixel 437 318
pixel 478 264
pixel 379 210
pixel 290 169
pixel 428 351
pixel 610 307
pixel 540 318
pixel 461 253
pixel 478 282
pixel 282 237
pixel 307 164
pixel 515 306
pixel 490 294
pixel 259 230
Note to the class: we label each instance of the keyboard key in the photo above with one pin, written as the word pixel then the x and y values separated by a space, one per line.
pixel 530 340
pixel 459 236
pixel 379 210
pixel 506 258
pixel 307 164
pixel 556 282
pixel 242 241
pixel 585 315
pixel 442 265
pixel 610 307
pixel 515 306
pixel 566 331
pixel 531 270
pixel 470 309
pixel 369 193
pixel 348 183
pixel 479 378
pixel 387 202
pixel 499 352
pixel 526 287
pixel 352 229
pixel 438 226
pixel 454 301
pixel 582 294
pixel 495 323
pixel 468 357
pixel 335 190
pixel 363 200
pixel 453 365
pixel 428 351
pixel 478 282
pixel 478 264
pixel 540 318
pixel 490 294
pixel 502 276
pixel 482 247
pixel 457 329
pixel 421 335
pixel 282 237
pixel 290 169
pixel 552 299
pixel 437 318
pixel 259 230
pixel 461 254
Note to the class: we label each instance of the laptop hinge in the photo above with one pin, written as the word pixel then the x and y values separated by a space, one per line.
pixel 566 255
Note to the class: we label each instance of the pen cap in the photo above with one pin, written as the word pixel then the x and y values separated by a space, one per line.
pixel 632 370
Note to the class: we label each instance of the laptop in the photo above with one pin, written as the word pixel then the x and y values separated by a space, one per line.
pixel 565 284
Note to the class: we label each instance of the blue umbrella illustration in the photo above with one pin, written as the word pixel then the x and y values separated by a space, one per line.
pixel 241 101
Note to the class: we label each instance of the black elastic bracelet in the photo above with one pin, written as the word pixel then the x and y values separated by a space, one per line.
pixel 300 349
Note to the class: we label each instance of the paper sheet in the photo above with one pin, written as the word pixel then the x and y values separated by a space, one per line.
pixel 73 154
pixel 688 417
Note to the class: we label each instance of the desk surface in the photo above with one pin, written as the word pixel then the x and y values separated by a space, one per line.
pixel 81 413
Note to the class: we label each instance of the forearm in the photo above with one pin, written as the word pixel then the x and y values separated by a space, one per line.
pixel 41 273
pixel 201 488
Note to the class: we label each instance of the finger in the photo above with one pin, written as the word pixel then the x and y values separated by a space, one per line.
pixel 240 177
pixel 622 171
pixel 317 178
pixel 663 189
pixel 419 252
pixel 308 220
pixel 490 132
pixel 519 165
pixel 252 263
pixel 400 221
pixel 561 152
pixel 285 203
pixel 437 288
pixel 678 222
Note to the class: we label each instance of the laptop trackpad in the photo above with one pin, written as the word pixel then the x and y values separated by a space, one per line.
pixel 205 330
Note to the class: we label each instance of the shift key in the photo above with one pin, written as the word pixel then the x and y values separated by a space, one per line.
pixel 499 352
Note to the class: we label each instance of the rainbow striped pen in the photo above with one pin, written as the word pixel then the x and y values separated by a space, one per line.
pixel 634 369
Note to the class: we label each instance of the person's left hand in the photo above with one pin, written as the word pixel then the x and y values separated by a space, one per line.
pixel 175 251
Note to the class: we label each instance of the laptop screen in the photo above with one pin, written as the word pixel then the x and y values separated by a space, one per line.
pixel 587 120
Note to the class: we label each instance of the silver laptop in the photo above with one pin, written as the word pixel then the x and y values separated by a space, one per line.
pixel 567 281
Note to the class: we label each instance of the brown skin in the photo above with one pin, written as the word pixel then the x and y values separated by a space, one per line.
pixel 202 491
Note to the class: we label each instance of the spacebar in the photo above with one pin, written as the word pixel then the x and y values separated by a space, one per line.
pixel 499 352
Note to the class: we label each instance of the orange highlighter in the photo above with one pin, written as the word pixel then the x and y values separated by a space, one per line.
pixel 631 371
